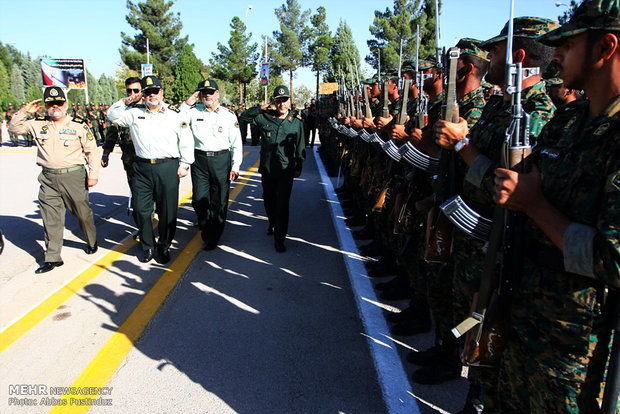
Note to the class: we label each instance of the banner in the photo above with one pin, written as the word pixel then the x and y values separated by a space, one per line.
pixel 264 74
pixel 147 69
pixel 65 73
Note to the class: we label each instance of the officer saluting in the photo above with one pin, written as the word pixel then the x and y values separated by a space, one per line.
pixel 218 153
pixel 164 152
pixel 62 143
pixel 282 154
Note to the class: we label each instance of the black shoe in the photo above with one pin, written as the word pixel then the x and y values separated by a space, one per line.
pixel 381 272
pixel 163 255
pixel 355 221
pixel 437 374
pixel 279 245
pixel 412 327
pixel 269 230
pixel 210 245
pixel 147 256
pixel 432 356
pixel 397 293
pixel 383 264
pixel 47 266
pixel 410 312
pixel 364 234
pixel 398 282
pixel 92 249
pixel 371 249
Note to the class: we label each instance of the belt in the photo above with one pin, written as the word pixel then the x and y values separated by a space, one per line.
pixel 212 153
pixel 62 170
pixel 155 160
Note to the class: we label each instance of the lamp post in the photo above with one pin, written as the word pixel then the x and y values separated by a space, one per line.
pixel 246 15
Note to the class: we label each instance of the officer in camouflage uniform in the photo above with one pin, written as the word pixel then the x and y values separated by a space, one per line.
pixel 482 153
pixel 573 202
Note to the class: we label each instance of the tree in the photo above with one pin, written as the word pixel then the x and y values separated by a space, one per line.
pixel 291 40
pixel 4 82
pixel 344 56
pixel 153 20
pixel 236 62
pixel 302 96
pixel 186 74
pixel 565 17
pixel 321 41
pixel 94 91
pixel 17 83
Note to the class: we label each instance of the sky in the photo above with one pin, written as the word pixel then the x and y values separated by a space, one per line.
pixel 90 29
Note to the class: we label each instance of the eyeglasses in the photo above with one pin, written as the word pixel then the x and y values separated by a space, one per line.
pixel 130 90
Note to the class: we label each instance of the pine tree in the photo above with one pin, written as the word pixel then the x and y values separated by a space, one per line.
pixel 321 41
pixel 565 17
pixel 94 91
pixel 153 19
pixel 291 40
pixel 187 74
pixel 236 62
pixel 344 56
pixel 4 83
pixel 17 83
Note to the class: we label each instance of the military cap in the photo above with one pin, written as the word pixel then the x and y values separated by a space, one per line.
pixel 208 84
pixel 408 65
pixel 370 81
pixel 554 81
pixel 469 46
pixel 524 27
pixel 590 15
pixel 551 71
pixel 150 82
pixel 429 62
pixel 281 92
pixel 54 94
pixel 486 85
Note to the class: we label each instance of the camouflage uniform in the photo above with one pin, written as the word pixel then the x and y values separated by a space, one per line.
pixel 557 316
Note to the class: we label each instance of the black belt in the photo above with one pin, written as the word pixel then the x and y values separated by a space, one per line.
pixel 212 153
pixel 155 160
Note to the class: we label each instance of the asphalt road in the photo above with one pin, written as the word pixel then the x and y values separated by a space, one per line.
pixel 238 329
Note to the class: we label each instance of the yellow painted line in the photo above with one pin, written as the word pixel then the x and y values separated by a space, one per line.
pixel 19 328
pixel 106 362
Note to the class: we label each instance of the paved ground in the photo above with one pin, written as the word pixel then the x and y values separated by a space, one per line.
pixel 238 329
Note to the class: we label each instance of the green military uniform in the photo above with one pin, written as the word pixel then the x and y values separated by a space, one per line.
pixel 477 188
pixel 282 155
pixel 61 151
pixel 8 116
pixel 558 315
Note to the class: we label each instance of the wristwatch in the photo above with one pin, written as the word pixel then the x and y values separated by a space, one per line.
pixel 461 144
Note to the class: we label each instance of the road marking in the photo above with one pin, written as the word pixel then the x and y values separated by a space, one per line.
pixel 106 362
pixel 20 327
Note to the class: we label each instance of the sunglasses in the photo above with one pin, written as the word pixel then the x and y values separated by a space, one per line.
pixel 148 92
pixel 130 90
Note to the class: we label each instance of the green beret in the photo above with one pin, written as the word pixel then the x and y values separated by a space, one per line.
pixel 526 27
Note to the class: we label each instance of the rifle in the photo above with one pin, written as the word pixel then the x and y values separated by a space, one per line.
pixel 484 344
pixel 386 100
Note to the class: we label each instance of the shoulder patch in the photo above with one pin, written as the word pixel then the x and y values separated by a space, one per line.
pixel 183 124
pixel 236 124
pixel 174 108
pixel 90 136
pixel 601 129
pixel 613 182
pixel 40 118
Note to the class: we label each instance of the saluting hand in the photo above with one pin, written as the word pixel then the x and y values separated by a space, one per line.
pixel 133 98
pixel 33 106
pixel 192 99
pixel 266 106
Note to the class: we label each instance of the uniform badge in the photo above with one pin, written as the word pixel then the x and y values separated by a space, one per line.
pixel 613 182
pixel 149 81
pixel 53 92
pixel 570 122
pixel 183 124
pixel 281 91
pixel 600 130
pixel 90 136
pixel 66 143
pixel 290 118
pixel 44 127
pixel 236 124
pixel 220 129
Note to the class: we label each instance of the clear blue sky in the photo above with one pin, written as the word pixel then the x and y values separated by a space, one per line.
pixel 90 29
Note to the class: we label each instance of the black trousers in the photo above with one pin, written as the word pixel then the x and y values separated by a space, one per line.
pixel 210 189
pixel 276 195
pixel 158 183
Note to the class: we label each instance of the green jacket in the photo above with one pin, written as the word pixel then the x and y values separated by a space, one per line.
pixel 282 140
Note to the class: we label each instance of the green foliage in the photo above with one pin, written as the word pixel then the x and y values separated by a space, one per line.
pixel 94 91
pixel 565 17
pixel 17 83
pixel 153 19
pixel 236 62
pixel 186 74
pixel 4 82
pixel 302 96
pixel 291 39
pixel 392 26
pixel 344 56
pixel 33 92
pixel 320 43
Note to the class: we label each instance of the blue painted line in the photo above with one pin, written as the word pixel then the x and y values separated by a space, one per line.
pixel 397 393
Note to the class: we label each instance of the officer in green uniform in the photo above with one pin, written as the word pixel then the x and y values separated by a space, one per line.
pixel 62 146
pixel 572 200
pixel 482 152
pixel 115 134
pixel 9 115
pixel 164 152
pixel 282 155
pixel 218 155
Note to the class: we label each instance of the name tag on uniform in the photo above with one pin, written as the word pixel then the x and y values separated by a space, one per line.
pixel 141 117
pixel 200 119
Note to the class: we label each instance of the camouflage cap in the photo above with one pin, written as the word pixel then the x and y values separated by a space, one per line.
pixel 408 65
pixel 281 92
pixel 486 85
pixel 554 81
pixel 429 62
pixel 590 15
pixel 469 46
pixel 369 81
pixel 525 27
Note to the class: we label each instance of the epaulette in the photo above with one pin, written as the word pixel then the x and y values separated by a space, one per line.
pixel 174 108
pixel 298 115
pixel 40 117
pixel 78 119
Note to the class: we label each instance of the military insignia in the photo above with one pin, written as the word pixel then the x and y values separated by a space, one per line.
pixel 236 124
pixel 570 122
pixel 90 136
pixel 601 130
pixel 183 124
pixel 613 182
pixel 149 81
pixel 86 127
pixel 220 129
pixel 53 92
pixel 281 91
pixel 44 127
pixel 290 118
pixel 174 108
pixel 66 143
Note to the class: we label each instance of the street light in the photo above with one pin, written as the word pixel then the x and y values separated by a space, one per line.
pixel 246 15
pixel 558 4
